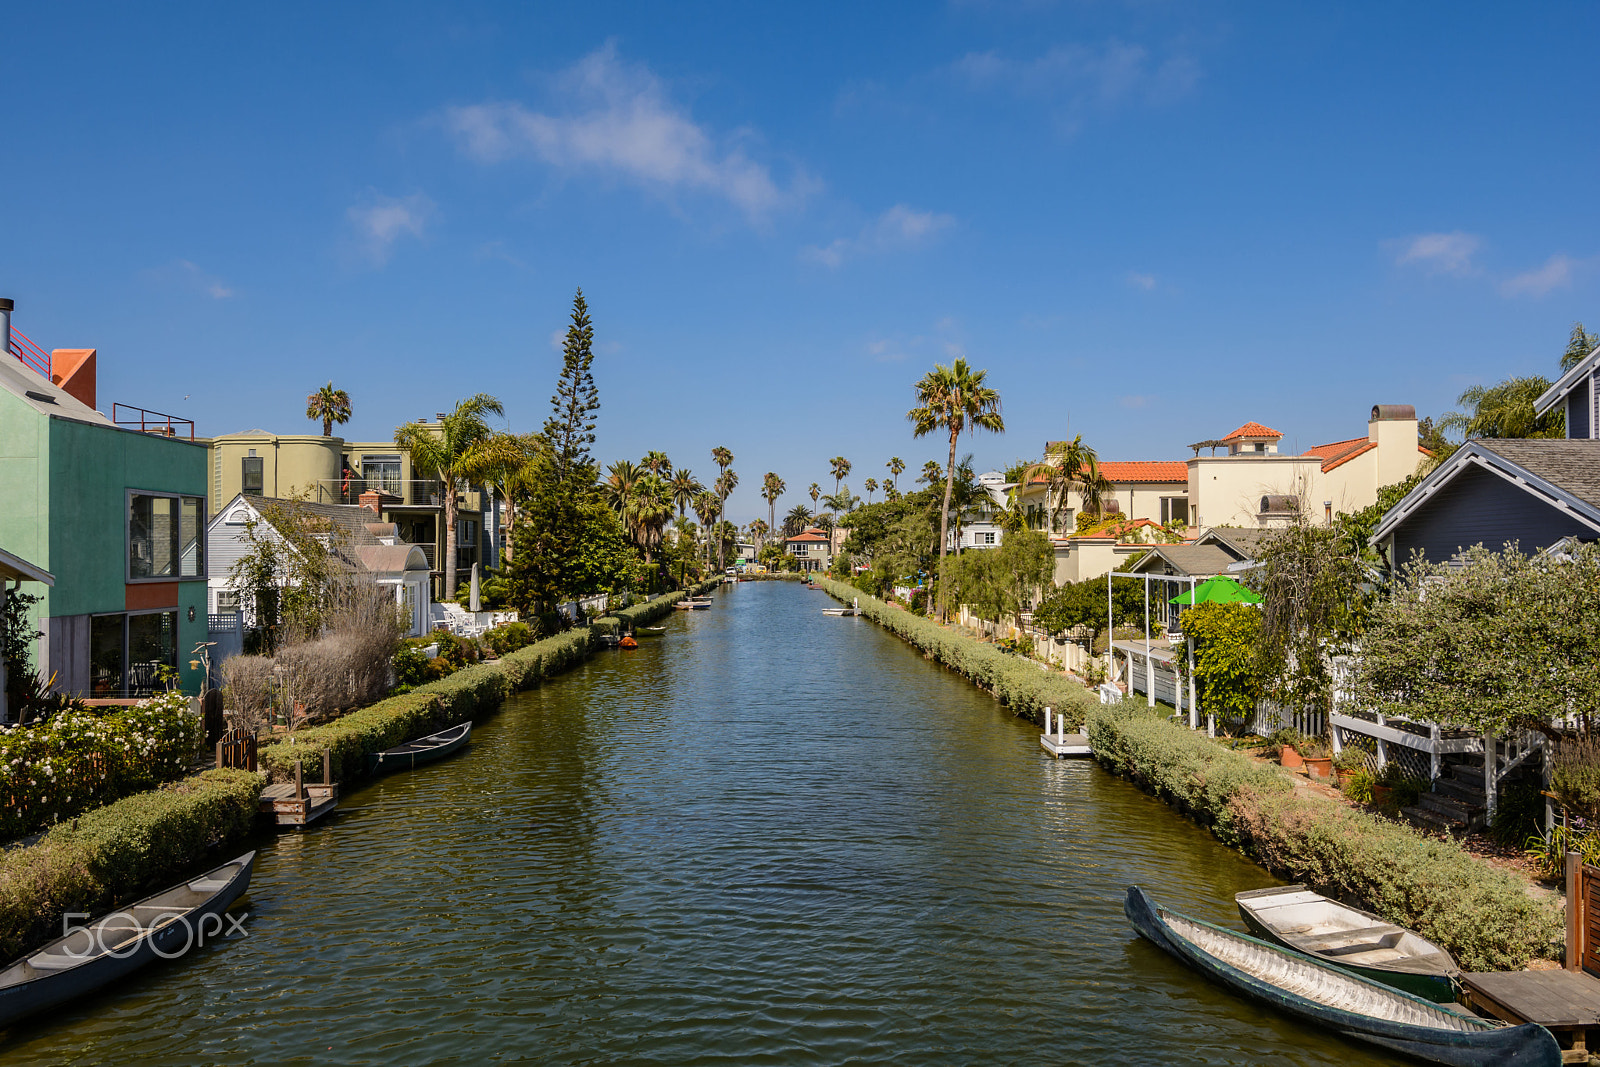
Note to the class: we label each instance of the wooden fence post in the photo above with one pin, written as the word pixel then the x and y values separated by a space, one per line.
pixel 299 784
pixel 1575 909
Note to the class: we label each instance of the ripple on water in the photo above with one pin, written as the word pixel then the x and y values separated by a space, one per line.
pixel 768 837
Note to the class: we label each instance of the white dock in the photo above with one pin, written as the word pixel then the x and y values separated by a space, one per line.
pixel 1056 741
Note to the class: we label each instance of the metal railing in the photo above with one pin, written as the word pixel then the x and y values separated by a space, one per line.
pixel 32 356
pixel 408 492
pixel 131 417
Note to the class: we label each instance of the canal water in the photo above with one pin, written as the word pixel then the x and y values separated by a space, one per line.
pixel 768 836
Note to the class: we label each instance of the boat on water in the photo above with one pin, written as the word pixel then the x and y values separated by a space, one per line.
pixel 627 641
pixel 422 750
pixel 1358 941
pixel 652 630
pixel 166 925
pixel 693 603
pixel 1337 1000
pixel 839 611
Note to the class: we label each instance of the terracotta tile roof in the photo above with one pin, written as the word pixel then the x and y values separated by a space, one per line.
pixel 809 535
pixel 1253 429
pixel 1337 453
pixel 1145 470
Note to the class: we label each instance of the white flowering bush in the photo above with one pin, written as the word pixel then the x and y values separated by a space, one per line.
pixel 78 760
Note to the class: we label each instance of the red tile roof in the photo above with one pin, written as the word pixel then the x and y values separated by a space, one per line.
pixel 1253 429
pixel 809 535
pixel 1145 470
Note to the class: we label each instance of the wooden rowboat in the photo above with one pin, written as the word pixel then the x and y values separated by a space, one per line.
pixel 1337 1000
pixel 422 750
pixel 1358 941
pixel 165 925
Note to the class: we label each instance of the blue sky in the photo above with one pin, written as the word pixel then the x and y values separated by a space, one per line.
pixel 1150 222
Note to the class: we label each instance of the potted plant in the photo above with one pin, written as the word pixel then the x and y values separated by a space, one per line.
pixel 1318 757
pixel 1288 754
pixel 1349 762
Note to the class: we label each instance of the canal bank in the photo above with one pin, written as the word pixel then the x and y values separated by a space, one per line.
pixel 767 835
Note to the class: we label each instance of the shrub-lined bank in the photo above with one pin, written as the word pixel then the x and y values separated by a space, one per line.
pixel 650 610
pixel 1480 913
pixel 120 852
pixel 1014 681
pixel 466 694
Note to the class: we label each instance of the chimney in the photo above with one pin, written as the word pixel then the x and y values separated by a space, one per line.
pixel 372 500
pixel 6 305
pixel 73 369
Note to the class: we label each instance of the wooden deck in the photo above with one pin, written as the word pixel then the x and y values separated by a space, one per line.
pixel 1567 1003
pixel 1059 745
pixel 298 805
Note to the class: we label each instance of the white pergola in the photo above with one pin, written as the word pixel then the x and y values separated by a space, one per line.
pixel 1149 663
pixel 16 570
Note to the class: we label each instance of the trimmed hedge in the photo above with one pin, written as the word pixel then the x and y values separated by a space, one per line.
pixel 1481 914
pixel 466 694
pixel 119 853
pixel 649 611
pixel 1016 682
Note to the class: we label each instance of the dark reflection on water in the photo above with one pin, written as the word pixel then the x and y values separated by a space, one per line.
pixel 768 836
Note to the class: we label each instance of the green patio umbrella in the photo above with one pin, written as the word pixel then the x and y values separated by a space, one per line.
pixel 1218 590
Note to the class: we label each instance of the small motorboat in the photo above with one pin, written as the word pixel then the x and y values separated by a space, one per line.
pixel 167 925
pixel 1337 1000
pixel 627 641
pixel 839 611
pixel 422 750
pixel 651 631
pixel 1360 942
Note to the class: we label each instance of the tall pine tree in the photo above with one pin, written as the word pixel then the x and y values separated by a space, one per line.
pixel 570 428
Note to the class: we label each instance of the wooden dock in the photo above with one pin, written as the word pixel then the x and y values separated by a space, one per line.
pixel 297 805
pixel 1567 1003
pixel 1056 741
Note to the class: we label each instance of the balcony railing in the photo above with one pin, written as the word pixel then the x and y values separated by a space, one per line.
pixel 32 356
pixel 129 417
pixel 408 492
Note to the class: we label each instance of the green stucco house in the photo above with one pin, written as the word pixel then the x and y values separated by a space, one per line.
pixel 115 512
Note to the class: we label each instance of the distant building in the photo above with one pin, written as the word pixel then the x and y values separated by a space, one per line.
pixel 810 549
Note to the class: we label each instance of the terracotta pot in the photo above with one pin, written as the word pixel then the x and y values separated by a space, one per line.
pixel 1320 766
pixel 1289 757
pixel 1380 794
pixel 1345 774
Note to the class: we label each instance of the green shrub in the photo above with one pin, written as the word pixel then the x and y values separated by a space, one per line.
pixel 78 760
pixel 508 637
pixel 1358 787
pixel 1575 777
pixel 1480 913
pixel 119 853
pixel 410 667
pixel 465 694
pixel 1022 685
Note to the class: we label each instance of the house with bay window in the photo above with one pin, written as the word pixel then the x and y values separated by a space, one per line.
pixel 114 508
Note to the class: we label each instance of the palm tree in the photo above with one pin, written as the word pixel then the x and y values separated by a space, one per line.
pixel 931 472
pixel 449 451
pixel 727 482
pixel 953 399
pixel 772 488
pixel 330 405
pixel 759 530
pixel 649 511
pixel 706 508
pixel 685 487
pixel 841 470
pixel 871 486
pixel 1067 466
pixel 618 487
pixel 815 491
pixel 657 463
pixel 896 467
pixel 508 463
pixel 796 521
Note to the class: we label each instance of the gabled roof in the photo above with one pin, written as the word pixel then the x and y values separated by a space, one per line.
pixel 810 533
pixel 1242 542
pixel 1188 560
pixel 14 568
pixel 1253 429
pixel 1564 474
pixel 1554 395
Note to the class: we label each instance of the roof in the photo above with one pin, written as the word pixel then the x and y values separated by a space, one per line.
pixel 15 568
pixel 391 559
pixel 1244 542
pixel 1564 384
pixel 808 535
pixel 1564 474
pixel 1145 470
pixel 1188 560
pixel 44 397
pixel 1253 429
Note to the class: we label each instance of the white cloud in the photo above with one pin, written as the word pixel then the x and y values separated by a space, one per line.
pixel 617 117
pixel 885 350
pixel 1146 282
pixel 558 339
pixel 898 228
pixel 380 221
pixel 185 274
pixel 1555 274
pixel 1438 253
pixel 1135 401
pixel 1079 77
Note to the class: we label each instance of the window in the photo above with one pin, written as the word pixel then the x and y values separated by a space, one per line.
pixel 1174 509
pixel 127 652
pixel 166 536
pixel 986 539
pixel 798 549
pixel 252 478
pixel 227 601
pixel 382 473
